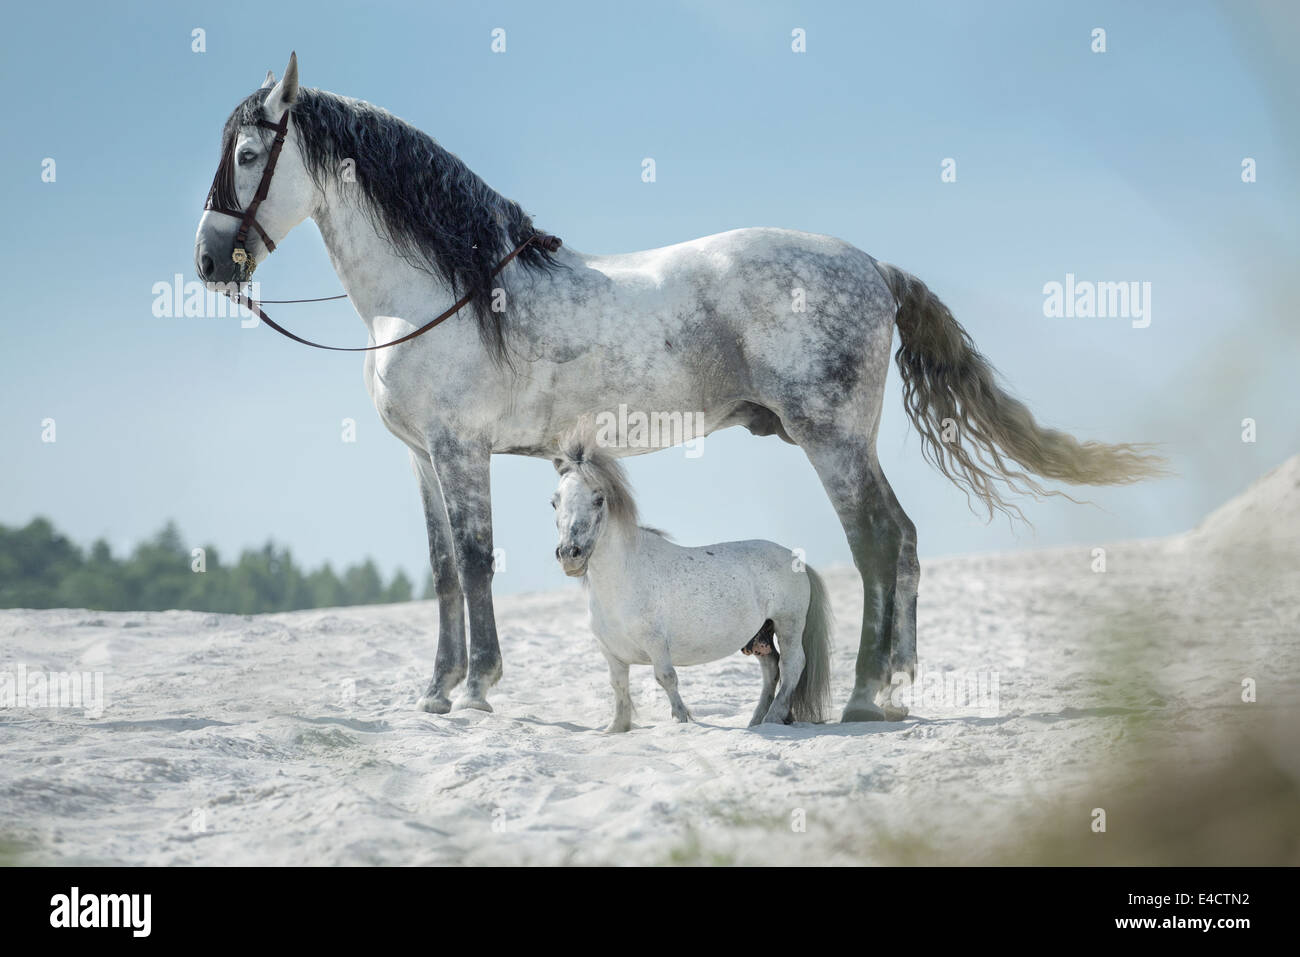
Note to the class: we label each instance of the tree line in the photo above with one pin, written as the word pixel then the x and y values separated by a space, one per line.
pixel 41 568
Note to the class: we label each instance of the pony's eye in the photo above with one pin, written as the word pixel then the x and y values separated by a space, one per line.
pixel 600 500
pixel 246 157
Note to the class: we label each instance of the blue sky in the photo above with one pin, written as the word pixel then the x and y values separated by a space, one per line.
pixel 1117 166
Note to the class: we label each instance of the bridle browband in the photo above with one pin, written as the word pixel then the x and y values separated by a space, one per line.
pixel 248 219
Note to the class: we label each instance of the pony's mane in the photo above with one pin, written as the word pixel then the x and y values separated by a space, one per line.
pixel 438 214
pixel 602 472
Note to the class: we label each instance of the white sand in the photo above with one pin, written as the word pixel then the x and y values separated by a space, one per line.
pixel 232 739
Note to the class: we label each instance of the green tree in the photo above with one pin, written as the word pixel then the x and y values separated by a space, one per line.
pixel 362 584
pixel 399 589
pixel 40 568
pixel 34 561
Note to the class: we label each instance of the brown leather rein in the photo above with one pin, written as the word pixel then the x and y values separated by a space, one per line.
pixel 248 219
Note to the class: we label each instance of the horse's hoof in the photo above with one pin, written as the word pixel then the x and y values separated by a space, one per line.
pixel 473 704
pixel 862 707
pixel 862 712
pixel 618 728
pixel 434 704
pixel 865 706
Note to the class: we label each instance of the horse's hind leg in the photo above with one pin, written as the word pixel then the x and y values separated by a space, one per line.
pixel 789 635
pixel 771 665
pixel 883 542
pixel 902 643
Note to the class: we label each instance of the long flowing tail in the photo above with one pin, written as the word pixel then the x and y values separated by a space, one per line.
pixel 812 695
pixel 971 429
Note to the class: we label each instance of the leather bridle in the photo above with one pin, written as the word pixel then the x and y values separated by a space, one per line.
pixel 248 220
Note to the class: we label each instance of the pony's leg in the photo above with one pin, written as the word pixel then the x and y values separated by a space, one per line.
pixel 622 696
pixel 666 675
pixel 789 636
pixel 883 542
pixel 771 672
pixel 449 663
pixel 463 470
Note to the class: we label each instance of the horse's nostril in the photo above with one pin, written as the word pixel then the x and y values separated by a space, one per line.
pixel 575 552
pixel 205 265
pixel 557 551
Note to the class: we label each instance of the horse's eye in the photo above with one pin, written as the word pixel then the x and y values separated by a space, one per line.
pixel 246 157
pixel 600 500
pixel 553 504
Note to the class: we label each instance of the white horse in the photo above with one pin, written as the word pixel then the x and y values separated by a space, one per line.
pixel 659 604
pixel 780 332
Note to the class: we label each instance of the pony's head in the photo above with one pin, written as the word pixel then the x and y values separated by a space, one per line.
pixel 246 147
pixel 593 495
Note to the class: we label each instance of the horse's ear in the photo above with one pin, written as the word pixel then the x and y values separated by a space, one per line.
pixel 285 93
pixel 558 462
pixel 269 81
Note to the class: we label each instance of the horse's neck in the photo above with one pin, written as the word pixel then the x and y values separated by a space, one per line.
pixel 378 280
pixel 616 559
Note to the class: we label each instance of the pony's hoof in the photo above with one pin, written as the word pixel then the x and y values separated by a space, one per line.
pixel 618 727
pixel 434 704
pixel 473 704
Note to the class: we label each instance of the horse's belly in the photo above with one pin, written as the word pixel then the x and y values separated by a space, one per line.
pixel 698 628
pixel 619 642
pixel 703 628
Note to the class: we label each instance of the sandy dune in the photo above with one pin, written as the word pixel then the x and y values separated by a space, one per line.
pixel 292 738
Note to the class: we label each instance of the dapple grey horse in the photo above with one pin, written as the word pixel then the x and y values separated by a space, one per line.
pixel 777 331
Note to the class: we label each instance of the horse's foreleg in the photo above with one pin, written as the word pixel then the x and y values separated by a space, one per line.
pixel 622 696
pixel 449 663
pixel 463 472
pixel 666 675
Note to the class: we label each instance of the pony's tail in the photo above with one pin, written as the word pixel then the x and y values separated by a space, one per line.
pixel 812 695
pixel 971 429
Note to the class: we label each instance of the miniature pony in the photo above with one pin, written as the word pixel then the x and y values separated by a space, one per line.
pixel 656 603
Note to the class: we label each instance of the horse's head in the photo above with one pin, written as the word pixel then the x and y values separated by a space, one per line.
pixel 592 495
pixel 581 512
pixel 261 190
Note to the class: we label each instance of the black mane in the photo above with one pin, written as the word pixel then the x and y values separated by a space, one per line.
pixel 438 214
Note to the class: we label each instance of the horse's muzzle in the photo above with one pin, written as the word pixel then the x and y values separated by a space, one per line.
pixel 575 566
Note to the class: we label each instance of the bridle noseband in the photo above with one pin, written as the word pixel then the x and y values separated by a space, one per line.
pixel 248 219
